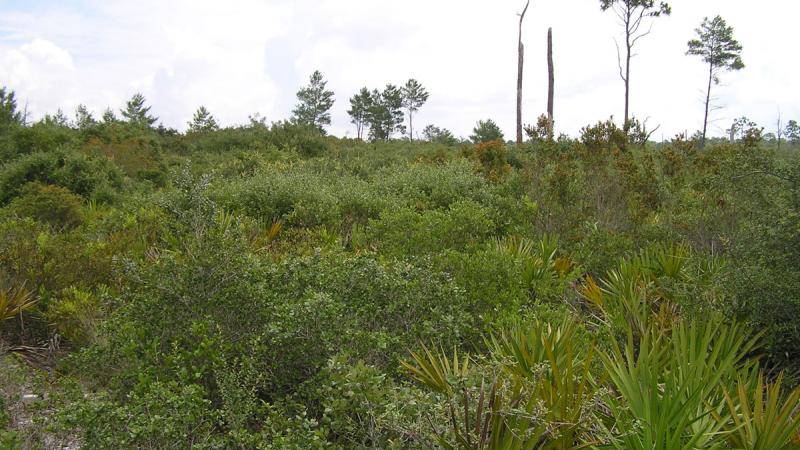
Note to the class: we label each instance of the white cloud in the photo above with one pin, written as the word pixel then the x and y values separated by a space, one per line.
pixel 242 56
pixel 39 69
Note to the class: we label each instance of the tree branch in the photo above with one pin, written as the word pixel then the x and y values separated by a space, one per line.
pixel 619 62
pixel 636 38
pixel 637 23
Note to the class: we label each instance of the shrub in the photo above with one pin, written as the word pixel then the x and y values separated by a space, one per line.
pixel 406 232
pixel 493 156
pixel 425 186
pixel 83 175
pixel 47 259
pixel 75 314
pixel 49 204
pixel 304 139
pixel 155 415
pixel 299 198
pixel 362 407
pixel 40 137
pixel 605 136
pixel 135 156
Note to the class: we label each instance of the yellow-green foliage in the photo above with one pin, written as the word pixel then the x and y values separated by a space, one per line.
pixel 53 205
pixel 13 301
pixel 75 314
pixel 259 286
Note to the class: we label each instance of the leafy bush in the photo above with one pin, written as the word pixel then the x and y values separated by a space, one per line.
pixel 604 136
pixel 300 198
pixel 362 407
pixel 405 232
pixel 82 175
pixel 156 415
pixel 493 156
pixel 49 204
pixel 76 314
pixel 39 137
pixel 306 140
pixel 424 186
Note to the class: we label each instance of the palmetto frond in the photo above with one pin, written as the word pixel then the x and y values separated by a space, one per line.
pixel 436 370
pixel 15 300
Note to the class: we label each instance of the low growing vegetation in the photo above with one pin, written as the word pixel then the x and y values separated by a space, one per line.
pixel 267 286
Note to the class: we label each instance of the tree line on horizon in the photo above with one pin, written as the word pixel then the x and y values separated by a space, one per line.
pixel 382 114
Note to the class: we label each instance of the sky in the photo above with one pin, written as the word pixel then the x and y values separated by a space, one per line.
pixel 241 57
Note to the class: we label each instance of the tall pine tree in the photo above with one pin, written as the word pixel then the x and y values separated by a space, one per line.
pixel 203 121
pixel 314 103
pixel 632 14
pixel 716 45
pixel 137 114
pixel 385 114
pixel 83 118
pixel 414 96
pixel 359 110
pixel 8 108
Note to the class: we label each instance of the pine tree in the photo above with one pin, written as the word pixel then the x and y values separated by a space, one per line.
pixel 83 118
pixel 8 108
pixel 137 114
pixel 486 131
pixel 315 103
pixel 385 114
pixel 438 135
pixel 59 119
pixel 715 43
pixel 632 15
pixel 109 117
pixel 792 132
pixel 414 96
pixel 359 110
pixel 202 121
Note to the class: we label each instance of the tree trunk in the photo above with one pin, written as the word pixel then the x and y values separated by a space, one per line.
pixel 708 102
pixel 550 84
pixel 520 62
pixel 627 82
pixel 411 125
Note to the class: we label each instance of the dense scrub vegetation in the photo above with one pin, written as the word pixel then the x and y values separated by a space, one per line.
pixel 269 287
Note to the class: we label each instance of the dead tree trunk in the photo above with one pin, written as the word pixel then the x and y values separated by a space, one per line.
pixel 520 62
pixel 550 85
pixel 708 102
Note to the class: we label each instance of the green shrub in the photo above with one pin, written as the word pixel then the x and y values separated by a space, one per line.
pixel 425 186
pixel 492 282
pixel 39 137
pixel 155 415
pixel 605 136
pixel 298 198
pixel 34 253
pixel 53 205
pixel 362 407
pixel 83 175
pixel 76 314
pixel 304 139
pixel 406 232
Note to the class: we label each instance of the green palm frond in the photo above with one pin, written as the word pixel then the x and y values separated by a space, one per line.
pixel 670 386
pixel 436 370
pixel 14 301
pixel 526 350
pixel 664 260
pixel 759 417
